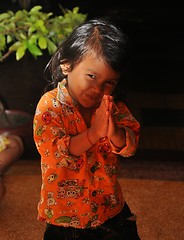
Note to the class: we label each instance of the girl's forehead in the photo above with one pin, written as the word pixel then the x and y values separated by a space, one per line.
pixel 93 57
pixel 98 65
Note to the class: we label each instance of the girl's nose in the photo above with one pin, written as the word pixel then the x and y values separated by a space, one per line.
pixel 98 88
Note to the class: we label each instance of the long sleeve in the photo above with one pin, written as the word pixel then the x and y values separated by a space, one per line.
pixel 131 127
pixel 50 134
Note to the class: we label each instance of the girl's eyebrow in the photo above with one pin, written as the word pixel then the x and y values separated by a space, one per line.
pixel 91 70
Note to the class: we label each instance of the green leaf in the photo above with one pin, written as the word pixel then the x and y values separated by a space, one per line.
pixel 33 39
pixel 34 50
pixel 35 9
pixel 51 46
pixel 23 36
pixel 75 9
pixel 9 39
pixel 2 29
pixel 31 30
pixel 42 42
pixel 15 46
pixel 20 52
pixel 2 42
pixel 20 14
pixel 40 26
pixel 49 14
pixel 4 16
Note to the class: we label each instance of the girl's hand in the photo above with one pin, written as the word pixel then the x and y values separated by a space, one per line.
pixel 104 124
pixel 112 128
pixel 101 122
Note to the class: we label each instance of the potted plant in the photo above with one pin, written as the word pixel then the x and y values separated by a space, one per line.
pixel 35 31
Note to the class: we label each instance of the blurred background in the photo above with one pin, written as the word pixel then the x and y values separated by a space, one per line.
pixel 156 77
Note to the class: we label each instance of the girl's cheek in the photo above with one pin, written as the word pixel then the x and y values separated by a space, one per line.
pixel 108 90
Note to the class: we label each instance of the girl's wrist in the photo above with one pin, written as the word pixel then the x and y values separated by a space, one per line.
pixel 88 138
pixel 118 139
pixel 91 136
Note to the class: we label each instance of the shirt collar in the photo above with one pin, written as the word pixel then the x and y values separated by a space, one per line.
pixel 63 95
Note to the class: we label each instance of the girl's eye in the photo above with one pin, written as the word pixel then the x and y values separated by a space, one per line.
pixel 92 76
pixel 112 83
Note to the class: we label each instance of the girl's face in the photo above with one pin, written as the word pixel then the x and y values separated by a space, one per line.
pixel 90 80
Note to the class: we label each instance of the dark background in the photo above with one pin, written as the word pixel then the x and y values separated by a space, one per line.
pixel 156 36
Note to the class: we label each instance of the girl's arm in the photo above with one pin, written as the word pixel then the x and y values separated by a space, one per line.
pixel 99 128
pixel 83 141
pixel 124 131
pixel 121 128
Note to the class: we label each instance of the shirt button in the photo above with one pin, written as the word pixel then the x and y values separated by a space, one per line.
pixel 93 169
pixel 94 193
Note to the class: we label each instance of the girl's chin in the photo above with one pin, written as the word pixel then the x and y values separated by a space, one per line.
pixel 90 105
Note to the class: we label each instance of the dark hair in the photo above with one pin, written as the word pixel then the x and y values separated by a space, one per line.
pixel 97 35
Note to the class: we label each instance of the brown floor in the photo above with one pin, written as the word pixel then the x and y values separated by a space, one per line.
pixel 153 190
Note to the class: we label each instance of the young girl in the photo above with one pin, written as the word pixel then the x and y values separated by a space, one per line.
pixel 80 129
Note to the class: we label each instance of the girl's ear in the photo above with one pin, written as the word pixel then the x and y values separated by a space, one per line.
pixel 65 68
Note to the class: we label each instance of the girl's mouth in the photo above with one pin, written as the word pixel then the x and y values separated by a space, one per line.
pixel 94 98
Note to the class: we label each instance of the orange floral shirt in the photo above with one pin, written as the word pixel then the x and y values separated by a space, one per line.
pixel 77 191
